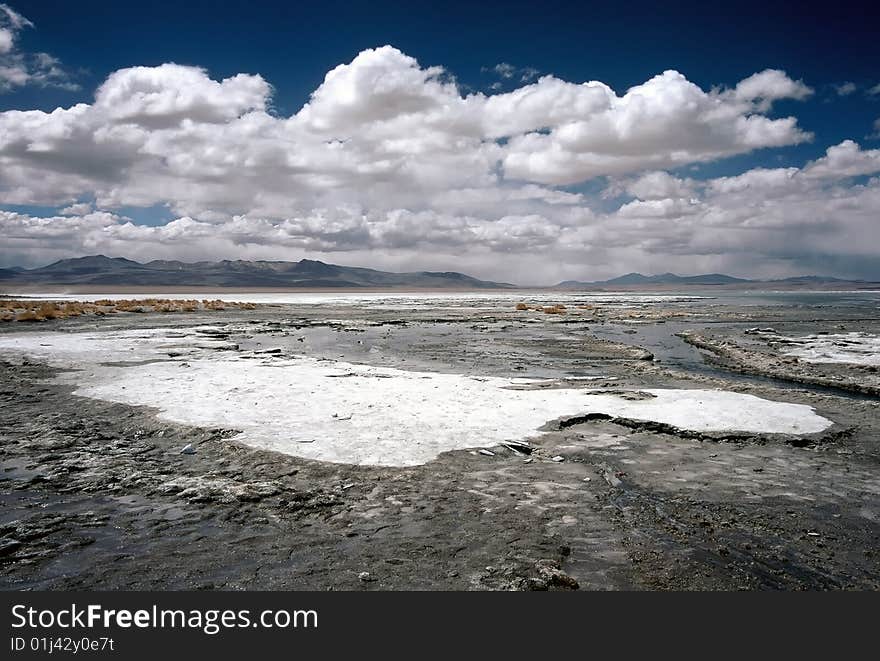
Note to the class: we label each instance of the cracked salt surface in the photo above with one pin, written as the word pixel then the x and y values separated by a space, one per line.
pixel 365 415
pixel 854 348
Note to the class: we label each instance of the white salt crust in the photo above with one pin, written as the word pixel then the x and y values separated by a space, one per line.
pixel 357 414
pixel 854 348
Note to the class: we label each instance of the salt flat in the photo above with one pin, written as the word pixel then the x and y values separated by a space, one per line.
pixel 387 415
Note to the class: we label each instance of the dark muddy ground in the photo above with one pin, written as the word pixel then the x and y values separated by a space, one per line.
pixel 98 496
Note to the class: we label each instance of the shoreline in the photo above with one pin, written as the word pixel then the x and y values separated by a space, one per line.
pixel 9 289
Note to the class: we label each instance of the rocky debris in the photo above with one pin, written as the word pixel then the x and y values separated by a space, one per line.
pixel 611 477
pixel 551 574
pixel 8 545
pixel 217 489
pixel 630 395
pixel 517 573
pixel 518 447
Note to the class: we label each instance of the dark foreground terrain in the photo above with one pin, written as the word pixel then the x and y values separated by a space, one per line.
pixel 97 495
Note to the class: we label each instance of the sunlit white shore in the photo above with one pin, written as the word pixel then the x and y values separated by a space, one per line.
pixel 376 299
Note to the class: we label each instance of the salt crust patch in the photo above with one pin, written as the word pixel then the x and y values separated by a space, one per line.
pixel 356 414
pixel 855 348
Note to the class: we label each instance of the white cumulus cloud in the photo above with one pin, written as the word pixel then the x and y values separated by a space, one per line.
pixel 390 165
pixel 18 68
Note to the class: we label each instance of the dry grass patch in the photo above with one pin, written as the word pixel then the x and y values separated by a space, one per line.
pixel 559 308
pixel 48 311
pixel 27 310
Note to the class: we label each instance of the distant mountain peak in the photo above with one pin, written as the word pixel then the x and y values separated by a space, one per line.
pixel 90 263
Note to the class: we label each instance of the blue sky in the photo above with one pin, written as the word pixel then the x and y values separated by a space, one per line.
pixel 293 44
pixel 831 48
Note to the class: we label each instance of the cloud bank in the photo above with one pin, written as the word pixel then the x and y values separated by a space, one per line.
pixel 390 165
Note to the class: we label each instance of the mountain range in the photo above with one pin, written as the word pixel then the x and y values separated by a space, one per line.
pixel 706 279
pixel 102 271
pixel 117 271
